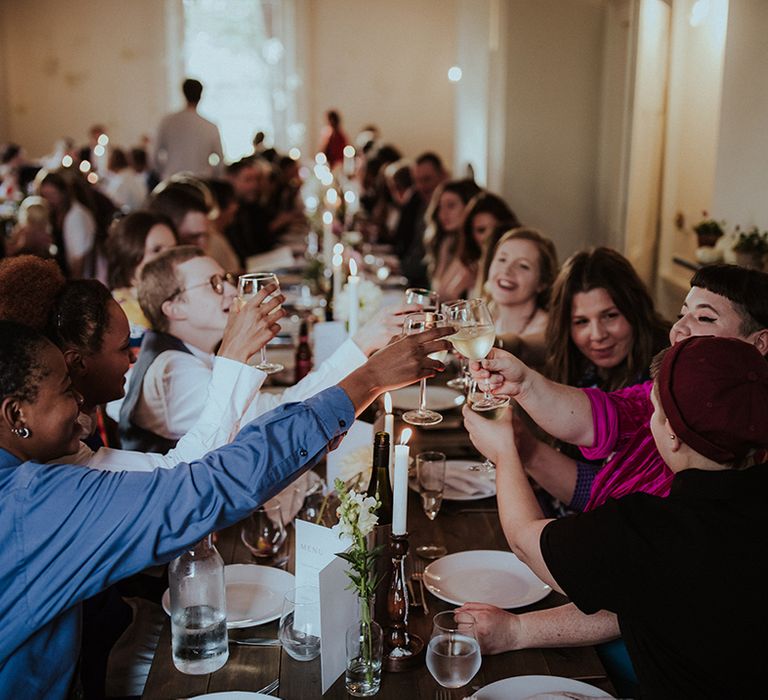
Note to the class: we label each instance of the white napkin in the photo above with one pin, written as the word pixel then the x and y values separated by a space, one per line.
pixel 468 482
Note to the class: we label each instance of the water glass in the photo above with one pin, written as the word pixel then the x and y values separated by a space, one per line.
pixel 430 472
pixel 299 631
pixel 264 534
pixel 453 654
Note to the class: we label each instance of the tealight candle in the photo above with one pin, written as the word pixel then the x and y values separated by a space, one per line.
pixel 400 486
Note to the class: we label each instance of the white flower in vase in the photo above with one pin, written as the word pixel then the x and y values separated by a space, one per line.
pixel 368 298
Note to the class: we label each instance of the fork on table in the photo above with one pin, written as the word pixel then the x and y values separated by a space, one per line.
pixel 418 575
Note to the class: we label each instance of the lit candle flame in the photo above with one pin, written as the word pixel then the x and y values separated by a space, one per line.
pixel 337 260
pixel 338 249
pixel 353 268
pixel 331 196
pixel 327 217
pixel 405 436
pixel 349 151
pixel 387 402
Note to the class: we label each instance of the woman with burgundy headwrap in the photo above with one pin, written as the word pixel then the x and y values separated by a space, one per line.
pixel 679 573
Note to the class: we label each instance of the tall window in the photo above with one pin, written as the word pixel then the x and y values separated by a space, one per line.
pixel 241 50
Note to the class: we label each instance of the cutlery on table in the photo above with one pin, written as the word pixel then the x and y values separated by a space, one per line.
pixel 269 689
pixel 418 575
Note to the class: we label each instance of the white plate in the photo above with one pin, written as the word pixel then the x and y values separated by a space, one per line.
pixel 254 594
pixel 233 695
pixel 484 576
pixel 522 687
pixel 439 398
pixel 461 484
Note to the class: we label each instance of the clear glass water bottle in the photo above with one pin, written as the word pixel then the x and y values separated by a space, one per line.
pixel 198 610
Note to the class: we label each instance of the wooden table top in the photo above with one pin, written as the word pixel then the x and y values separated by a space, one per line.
pixel 460 526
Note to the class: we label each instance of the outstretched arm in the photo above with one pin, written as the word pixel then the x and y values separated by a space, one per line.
pixel 562 411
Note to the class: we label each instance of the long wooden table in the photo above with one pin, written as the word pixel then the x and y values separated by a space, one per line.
pixel 460 526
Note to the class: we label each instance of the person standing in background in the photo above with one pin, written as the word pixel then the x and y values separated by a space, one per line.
pixel 186 142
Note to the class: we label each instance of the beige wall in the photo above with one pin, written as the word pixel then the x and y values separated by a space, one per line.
pixel 387 63
pixel 72 64
pixel 554 65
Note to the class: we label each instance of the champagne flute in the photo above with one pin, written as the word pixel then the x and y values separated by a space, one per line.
pixel 426 298
pixel 249 286
pixel 416 323
pixel 430 474
pixel 453 654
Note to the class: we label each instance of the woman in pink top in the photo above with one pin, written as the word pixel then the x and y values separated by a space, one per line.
pixel 724 301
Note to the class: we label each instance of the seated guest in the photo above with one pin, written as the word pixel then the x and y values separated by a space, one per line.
pixel 74 227
pixel 428 173
pixel 724 300
pixel 184 202
pixel 517 280
pixel 122 184
pixel 220 218
pixel 451 266
pixel 647 560
pixel 32 233
pixel 187 298
pixel 71 532
pixel 133 241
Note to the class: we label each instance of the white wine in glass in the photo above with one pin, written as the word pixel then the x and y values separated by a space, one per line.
pixel 474 338
pixel 249 286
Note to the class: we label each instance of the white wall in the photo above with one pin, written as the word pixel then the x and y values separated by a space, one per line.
pixel 554 66
pixel 72 64
pixel 741 177
pixel 386 63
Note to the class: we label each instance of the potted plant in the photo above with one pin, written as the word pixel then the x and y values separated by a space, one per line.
pixel 708 231
pixel 751 248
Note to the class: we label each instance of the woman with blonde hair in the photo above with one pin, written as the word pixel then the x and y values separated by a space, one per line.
pixel 517 277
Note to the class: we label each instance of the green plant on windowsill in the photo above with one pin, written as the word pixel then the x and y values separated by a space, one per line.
pixel 751 247
pixel 708 231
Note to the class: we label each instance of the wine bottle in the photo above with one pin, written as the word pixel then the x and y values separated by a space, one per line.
pixel 303 365
pixel 380 485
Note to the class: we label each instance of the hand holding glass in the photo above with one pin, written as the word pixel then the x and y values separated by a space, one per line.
pixel 453 654
pixel 249 286
pixel 416 323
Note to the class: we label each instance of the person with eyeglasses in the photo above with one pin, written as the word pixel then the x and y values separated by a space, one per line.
pixel 187 296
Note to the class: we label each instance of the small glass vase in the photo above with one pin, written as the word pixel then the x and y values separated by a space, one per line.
pixel 365 645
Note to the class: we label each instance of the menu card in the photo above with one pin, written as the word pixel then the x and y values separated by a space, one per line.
pixel 318 565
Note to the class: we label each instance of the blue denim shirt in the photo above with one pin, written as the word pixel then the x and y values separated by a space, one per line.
pixel 69 532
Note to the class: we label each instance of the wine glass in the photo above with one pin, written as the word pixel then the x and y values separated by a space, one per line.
pixel 430 475
pixel 426 298
pixel 462 381
pixel 299 630
pixel 453 654
pixel 263 533
pixel 474 337
pixel 249 286
pixel 491 413
pixel 416 323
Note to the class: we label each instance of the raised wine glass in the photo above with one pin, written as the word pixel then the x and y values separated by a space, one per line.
pixel 416 323
pixel 248 286
pixel 461 382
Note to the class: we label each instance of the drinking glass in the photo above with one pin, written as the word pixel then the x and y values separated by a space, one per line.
pixel 430 472
pixel 430 475
pixel 474 338
pixel 263 533
pixel 249 286
pixel 491 413
pixel 299 630
pixel 453 654
pixel 416 323
pixel 462 381
pixel 426 298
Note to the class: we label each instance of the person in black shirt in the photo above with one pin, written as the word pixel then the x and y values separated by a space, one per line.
pixel 681 573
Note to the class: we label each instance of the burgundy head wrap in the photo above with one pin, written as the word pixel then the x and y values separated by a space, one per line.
pixel 714 392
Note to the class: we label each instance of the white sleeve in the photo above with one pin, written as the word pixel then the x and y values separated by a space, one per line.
pixel 231 390
pixel 345 360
